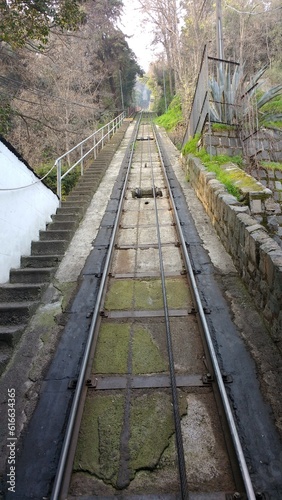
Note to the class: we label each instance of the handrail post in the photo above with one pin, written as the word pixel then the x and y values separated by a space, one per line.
pixel 81 159
pixel 94 147
pixel 59 180
pixel 109 131
pixel 102 137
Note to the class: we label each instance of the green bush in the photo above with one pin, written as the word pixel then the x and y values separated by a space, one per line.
pixel 172 117
pixel 50 180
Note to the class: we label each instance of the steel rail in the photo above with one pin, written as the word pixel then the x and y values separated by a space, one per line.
pixel 81 379
pixel 177 421
pixel 225 401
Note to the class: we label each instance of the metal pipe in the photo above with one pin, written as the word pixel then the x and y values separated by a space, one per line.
pixel 59 178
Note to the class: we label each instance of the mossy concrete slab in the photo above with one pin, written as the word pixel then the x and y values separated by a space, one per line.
pixel 147 294
pixel 98 447
pixel 188 350
pixel 101 451
pixel 146 260
pixel 139 347
pixel 111 354
pixel 147 357
pixel 133 347
pixel 151 425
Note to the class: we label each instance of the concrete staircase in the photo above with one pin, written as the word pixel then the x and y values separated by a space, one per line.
pixel 21 296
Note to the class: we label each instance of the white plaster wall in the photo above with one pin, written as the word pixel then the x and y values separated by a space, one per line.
pixel 23 212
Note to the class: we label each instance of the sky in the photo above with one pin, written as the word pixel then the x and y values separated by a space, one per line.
pixel 141 37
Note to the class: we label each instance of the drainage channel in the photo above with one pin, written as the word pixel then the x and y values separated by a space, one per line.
pixel 145 420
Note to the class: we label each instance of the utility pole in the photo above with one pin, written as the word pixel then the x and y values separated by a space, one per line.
pixel 219 36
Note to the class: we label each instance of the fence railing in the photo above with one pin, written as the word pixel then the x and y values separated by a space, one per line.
pixel 200 104
pixel 92 144
pixel 214 97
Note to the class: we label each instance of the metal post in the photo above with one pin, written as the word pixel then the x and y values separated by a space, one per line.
pixel 95 148
pixel 219 36
pixel 81 159
pixel 59 181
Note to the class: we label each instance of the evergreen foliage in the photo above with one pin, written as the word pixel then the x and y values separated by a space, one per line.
pixel 173 116
pixel 25 20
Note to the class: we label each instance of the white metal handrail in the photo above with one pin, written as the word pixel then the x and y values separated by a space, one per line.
pixel 99 138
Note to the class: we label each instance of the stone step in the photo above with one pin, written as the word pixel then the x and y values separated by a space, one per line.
pixel 62 225
pixel 10 335
pixel 11 292
pixel 31 275
pixel 87 187
pixel 98 168
pixel 82 197
pixel 41 261
pixel 16 313
pixel 69 210
pixel 64 218
pixel 73 204
pixel 55 235
pixel 92 180
pixel 53 247
pixel 84 200
pixel 82 190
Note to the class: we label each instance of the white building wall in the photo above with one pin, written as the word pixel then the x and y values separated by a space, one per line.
pixel 23 212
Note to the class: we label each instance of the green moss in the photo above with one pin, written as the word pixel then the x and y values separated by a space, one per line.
pixel 172 117
pixel 112 348
pixel 45 319
pixel 221 126
pixel 232 179
pixel 145 294
pixel 120 295
pixel 67 289
pixel 148 294
pixel 98 447
pixel 146 355
pixel 151 427
pixel 272 165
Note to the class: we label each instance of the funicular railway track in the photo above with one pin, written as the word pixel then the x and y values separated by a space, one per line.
pixel 150 414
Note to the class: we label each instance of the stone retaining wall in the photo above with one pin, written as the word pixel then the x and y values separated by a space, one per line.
pixel 265 144
pixel 256 255
pixel 271 178
pixel 222 142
